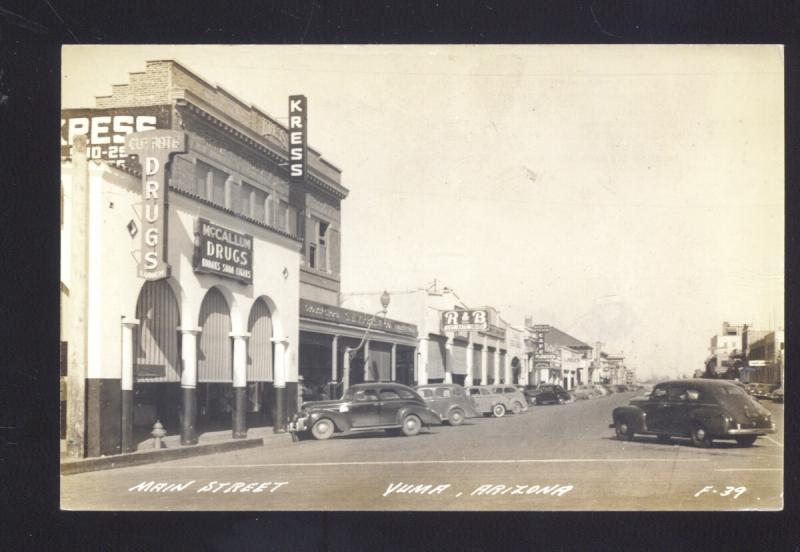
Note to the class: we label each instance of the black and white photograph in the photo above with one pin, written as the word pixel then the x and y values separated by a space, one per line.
pixel 502 278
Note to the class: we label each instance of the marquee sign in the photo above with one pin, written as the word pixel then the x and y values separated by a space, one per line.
pixel 465 320
pixel 106 129
pixel 223 252
pixel 298 134
pixel 154 149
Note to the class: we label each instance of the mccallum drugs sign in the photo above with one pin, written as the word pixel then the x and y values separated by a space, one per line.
pixel 223 252
pixel 465 320
pixel 154 149
pixel 298 116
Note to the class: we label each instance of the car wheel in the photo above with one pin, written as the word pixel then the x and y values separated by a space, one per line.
pixel 664 438
pixel 456 417
pixel 561 400
pixel 516 408
pixel 411 425
pixel 322 429
pixel 534 402
pixel 700 437
pixel 746 440
pixel 498 410
pixel 623 430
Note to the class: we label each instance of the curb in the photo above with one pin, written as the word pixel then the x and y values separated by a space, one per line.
pixel 150 457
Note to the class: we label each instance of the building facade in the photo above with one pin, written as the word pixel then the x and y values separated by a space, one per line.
pixel 556 357
pixel 766 359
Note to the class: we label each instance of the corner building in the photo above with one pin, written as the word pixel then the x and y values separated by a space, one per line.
pixel 206 348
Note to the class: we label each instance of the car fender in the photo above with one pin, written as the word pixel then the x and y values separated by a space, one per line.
pixel 633 415
pixel 425 414
pixel 339 419
pixel 710 418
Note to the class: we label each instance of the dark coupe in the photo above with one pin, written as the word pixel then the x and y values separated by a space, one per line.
pixel 547 393
pixel 700 409
pixel 365 407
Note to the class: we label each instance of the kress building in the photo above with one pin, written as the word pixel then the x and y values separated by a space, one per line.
pixel 215 344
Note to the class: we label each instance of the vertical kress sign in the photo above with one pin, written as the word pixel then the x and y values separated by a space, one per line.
pixel 298 133
pixel 154 149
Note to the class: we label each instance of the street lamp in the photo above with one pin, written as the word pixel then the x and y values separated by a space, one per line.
pixel 350 353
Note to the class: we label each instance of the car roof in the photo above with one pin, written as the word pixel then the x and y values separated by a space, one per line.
pixel 428 385
pixel 698 382
pixel 367 384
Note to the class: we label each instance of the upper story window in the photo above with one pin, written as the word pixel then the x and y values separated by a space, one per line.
pixel 210 182
pixel 322 243
pixel 256 203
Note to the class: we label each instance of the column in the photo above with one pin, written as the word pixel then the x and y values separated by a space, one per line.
pixel 422 368
pixel 509 377
pixel 394 362
pixel 279 383
pixel 189 385
pixel 239 414
pixel 449 361
pixel 470 354
pixel 334 358
pixel 367 375
pixel 498 368
pixel 484 359
pixel 127 384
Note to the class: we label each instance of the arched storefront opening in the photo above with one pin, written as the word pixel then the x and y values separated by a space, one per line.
pixel 260 360
pixel 156 362
pixel 214 364
pixel 516 370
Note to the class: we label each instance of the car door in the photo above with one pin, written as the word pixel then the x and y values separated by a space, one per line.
pixel 656 410
pixel 677 410
pixel 479 402
pixel 547 394
pixel 365 408
pixel 430 399
pixel 390 402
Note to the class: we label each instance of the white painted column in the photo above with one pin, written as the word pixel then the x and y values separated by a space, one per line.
pixel 393 372
pixel 422 368
pixel 470 355
pixel 484 359
pixel 280 369
pixel 189 357
pixel 240 359
pixel 498 369
pixel 367 376
pixel 334 357
pixel 509 377
pixel 127 353
pixel 449 361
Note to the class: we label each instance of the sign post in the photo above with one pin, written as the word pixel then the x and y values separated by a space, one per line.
pixel 154 148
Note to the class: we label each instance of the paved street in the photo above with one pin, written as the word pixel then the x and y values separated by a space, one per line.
pixel 550 458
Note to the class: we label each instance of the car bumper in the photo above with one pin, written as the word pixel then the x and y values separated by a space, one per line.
pixel 301 424
pixel 751 430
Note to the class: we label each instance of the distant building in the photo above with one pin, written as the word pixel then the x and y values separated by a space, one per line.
pixel 557 357
pixel 765 359
pixel 726 352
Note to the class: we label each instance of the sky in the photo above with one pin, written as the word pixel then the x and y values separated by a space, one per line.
pixel 632 195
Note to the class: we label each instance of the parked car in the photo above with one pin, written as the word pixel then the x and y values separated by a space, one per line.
pixel 519 403
pixel 365 407
pixel 583 392
pixel 449 400
pixel 601 390
pixel 761 390
pixel 700 409
pixel 488 402
pixel 547 393
pixel 777 395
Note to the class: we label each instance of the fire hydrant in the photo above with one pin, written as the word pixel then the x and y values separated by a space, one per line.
pixel 157 433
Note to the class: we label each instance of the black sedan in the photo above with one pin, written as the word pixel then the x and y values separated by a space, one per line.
pixel 700 409
pixel 547 393
pixel 365 407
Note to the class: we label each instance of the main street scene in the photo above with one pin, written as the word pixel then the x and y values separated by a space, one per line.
pixel 422 278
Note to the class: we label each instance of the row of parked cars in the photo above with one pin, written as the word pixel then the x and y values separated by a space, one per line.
pixel 402 410
pixel 765 391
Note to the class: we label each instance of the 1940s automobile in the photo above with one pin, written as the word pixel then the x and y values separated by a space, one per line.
pixel 449 400
pixel 700 409
pixel 393 407
pixel 487 401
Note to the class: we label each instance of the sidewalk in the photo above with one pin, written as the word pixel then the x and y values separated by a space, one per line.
pixel 171 449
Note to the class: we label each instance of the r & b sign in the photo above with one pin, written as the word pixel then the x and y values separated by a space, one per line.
pixel 465 320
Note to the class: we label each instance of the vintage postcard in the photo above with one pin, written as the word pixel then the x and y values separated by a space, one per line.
pixel 518 277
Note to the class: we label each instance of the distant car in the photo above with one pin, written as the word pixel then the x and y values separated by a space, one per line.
pixel 777 395
pixel 700 409
pixel 583 392
pixel 365 407
pixel 519 403
pixel 761 390
pixel 449 400
pixel 488 402
pixel 547 393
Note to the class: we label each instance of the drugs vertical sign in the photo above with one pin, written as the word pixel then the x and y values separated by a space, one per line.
pixel 154 149
pixel 298 134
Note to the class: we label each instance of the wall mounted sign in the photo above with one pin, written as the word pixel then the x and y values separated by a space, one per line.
pixel 106 129
pixel 465 320
pixel 298 133
pixel 223 252
pixel 541 328
pixel 154 149
pixel 338 315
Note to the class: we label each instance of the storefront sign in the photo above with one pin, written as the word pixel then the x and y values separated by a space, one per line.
pixel 465 320
pixel 298 117
pixel 154 149
pixel 106 129
pixel 223 252
pixel 337 315
pixel 541 328
pixel 545 356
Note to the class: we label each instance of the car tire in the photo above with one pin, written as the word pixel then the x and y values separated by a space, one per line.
pixel 664 438
pixel 411 425
pixel 561 400
pixel 623 430
pixel 456 417
pixel 323 429
pixel 516 408
pixel 700 437
pixel 746 440
pixel 534 402
pixel 498 410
